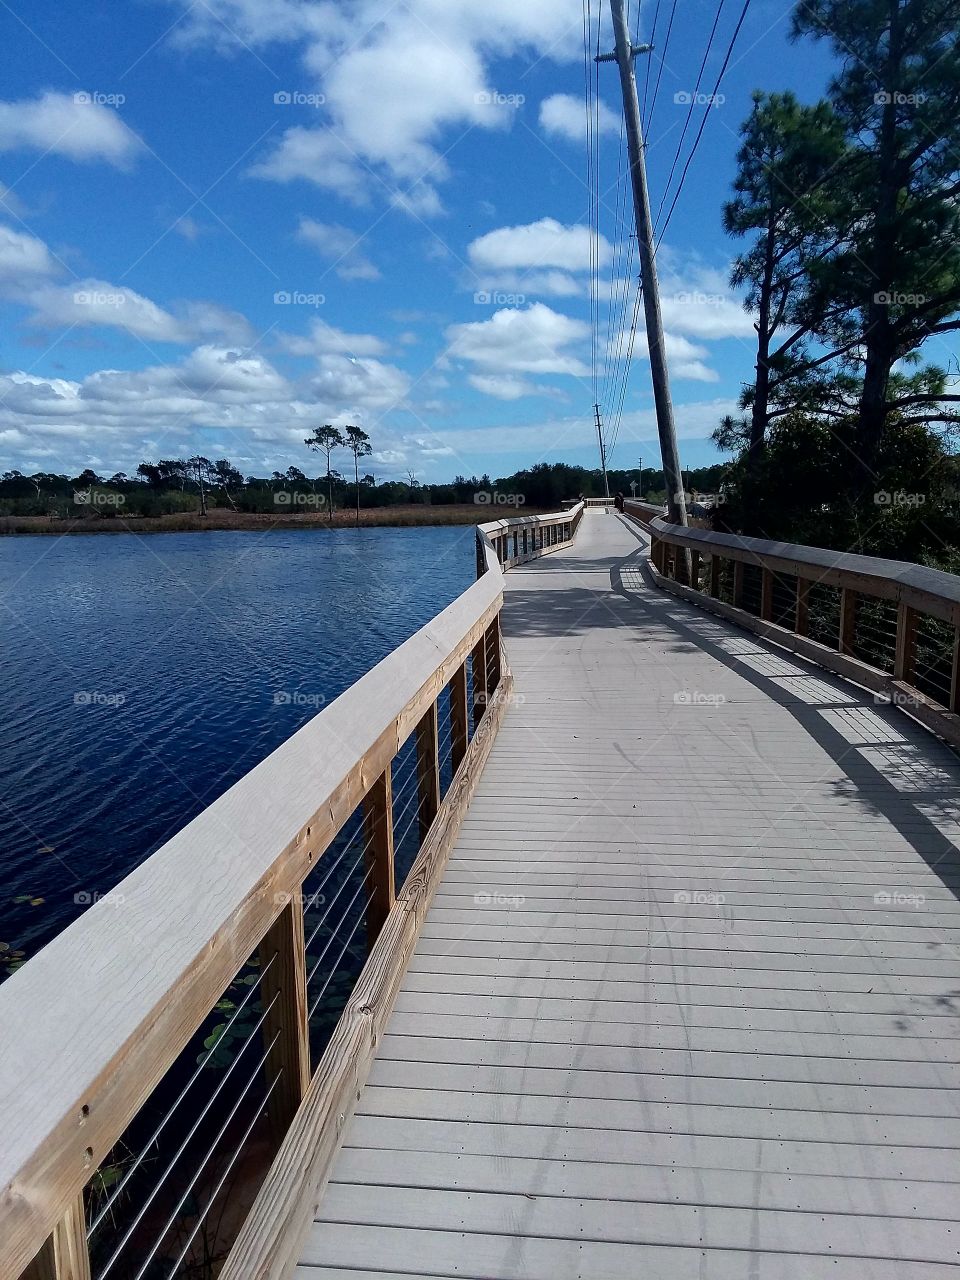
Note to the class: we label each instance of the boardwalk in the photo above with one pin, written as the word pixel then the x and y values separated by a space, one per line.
pixel 658 1022
pixel 685 1003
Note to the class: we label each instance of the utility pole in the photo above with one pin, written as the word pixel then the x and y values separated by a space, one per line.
pixel 624 55
pixel 603 454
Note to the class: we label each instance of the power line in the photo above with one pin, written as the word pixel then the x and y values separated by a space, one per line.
pixel 666 45
pixel 703 122
pixel 693 102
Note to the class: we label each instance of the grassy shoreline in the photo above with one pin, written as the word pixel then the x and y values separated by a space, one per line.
pixel 224 520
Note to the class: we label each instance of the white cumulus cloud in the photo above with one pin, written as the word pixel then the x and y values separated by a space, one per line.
pixel 74 125
pixel 564 116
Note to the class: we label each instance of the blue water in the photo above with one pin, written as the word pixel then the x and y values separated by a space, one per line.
pixel 143 675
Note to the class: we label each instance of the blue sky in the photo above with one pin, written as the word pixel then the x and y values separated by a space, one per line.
pixel 227 221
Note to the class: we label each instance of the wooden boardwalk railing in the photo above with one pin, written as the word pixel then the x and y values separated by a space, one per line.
pixel 892 626
pixel 100 1020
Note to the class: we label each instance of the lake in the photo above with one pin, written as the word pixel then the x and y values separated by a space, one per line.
pixel 144 675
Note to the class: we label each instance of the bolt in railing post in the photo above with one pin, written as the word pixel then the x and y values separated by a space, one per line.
pixel 716 564
pixel 903 660
pixel 428 770
pixel 848 620
pixel 766 594
pixel 801 613
pixel 459 718
pixel 378 842
pixel 283 989
pixel 65 1255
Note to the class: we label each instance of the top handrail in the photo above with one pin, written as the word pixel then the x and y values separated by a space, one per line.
pixel 934 591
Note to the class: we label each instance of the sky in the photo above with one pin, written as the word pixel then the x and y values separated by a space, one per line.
pixel 225 222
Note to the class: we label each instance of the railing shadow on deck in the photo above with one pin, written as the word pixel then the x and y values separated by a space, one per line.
pixel 874 791
pixel 224 960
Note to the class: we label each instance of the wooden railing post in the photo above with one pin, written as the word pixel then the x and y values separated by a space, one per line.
pixel 801 616
pixel 716 564
pixel 459 719
pixel 955 673
pixel 479 668
pixel 428 770
pixel 282 955
pixel 738 575
pixel 848 620
pixel 766 594
pixel 492 642
pixel 378 833
pixel 65 1255
pixel 906 643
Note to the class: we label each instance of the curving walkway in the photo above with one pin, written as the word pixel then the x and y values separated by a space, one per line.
pixel 685 1005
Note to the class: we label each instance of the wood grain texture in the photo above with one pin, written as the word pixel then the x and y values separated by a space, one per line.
pixel 284 996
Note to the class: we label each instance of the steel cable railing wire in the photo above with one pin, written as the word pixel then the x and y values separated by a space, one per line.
pixel 205 1058
pixel 213 1146
pixel 258 1112
pixel 108 1266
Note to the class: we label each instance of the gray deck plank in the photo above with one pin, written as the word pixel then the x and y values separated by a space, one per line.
pixel 587 1075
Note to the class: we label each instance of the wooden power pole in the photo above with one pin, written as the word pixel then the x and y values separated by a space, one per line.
pixel 624 54
pixel 603 453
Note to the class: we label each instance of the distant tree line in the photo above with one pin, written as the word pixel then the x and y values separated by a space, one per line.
pixel 197 484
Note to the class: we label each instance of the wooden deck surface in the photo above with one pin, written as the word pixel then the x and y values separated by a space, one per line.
pixel 685 1006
